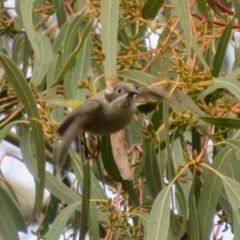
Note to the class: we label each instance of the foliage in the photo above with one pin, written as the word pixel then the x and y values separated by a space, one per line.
pixel 184 162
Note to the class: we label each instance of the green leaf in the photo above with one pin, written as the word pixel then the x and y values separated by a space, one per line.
pixel 236 227
pixel 193 223
pixel 222 48
pixel 56 60
pixel 61 221
pixel 183 12
pixel 81 70
pixel 208 91
pixel 233 143
pixel 157 118
pixel 212 187
pixel 8 230
pixel 60 12
pixel 18 21
pixel 199 53
pixel 97 191
pixel 179 194
pixel 61 191
pixel 151 8
pixel 28 152
pixel 85 199
pixel 222 122
pixel 138 77
pixel 236 6
pixel 93 221
pixel 151 168
pixel 231 84
pixel 170 170
pixel 26 97
pixel 109 27
pixel 203 8
pixel 144 217
pixel 17 40
pixel 160 215
pixel 50 215
pixel 68 46
pixel 232 189
pixel 39 42
pixel 108 159
pixel 72 57
pixel 6 129
pixel 13 211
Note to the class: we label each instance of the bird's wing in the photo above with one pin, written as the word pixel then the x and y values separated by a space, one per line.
pixel 71 127
pixel 148 95
pixel 87 110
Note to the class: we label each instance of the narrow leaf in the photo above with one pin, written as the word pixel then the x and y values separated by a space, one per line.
pixel 97 191
pixel 231 84
pixel 109 27
pixel 61 191
pixel 61 221
pixel 86 194
pixel 233 192
pixel 73 56
pixel 199 53
pixel 160 215
pixel 8 230
pixel 13 211
pixel 108 159
pixel 203 8
pixel 236 6
pixel 222 122
pixel 26 97
pixel 60 12
pixel 212 187
pixel 151 9
pixel 6 129
pixel 50 215
pixel 193 223
pixel 81 70
pixel 151 168
pixel 222 48
pixel 183 12
pixel 39 43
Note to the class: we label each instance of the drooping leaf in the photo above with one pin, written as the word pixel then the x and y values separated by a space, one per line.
pixel 160 215
pixel 27 99
pixel 151 168
pixel 221 48
pixel 8 230
pixel 222 122
pixel 151 8
pixel 183 12
pixel 13 210
pixel 212 187
pixel 109 27
pixel 39 43
pixel 108 159
pixel 69 62
pixel 233 192
pixel 60 12
pixel 60 222
pixel 203 8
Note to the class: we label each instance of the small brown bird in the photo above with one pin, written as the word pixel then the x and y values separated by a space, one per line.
pixel 104 113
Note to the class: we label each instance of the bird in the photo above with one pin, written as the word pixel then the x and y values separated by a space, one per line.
pixel 102 114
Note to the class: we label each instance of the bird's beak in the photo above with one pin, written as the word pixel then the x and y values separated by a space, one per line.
pixel 132 92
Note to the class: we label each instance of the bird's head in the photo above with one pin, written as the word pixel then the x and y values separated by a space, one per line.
pixel 121 95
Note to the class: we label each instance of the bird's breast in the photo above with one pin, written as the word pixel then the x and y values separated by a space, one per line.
pixel 110 120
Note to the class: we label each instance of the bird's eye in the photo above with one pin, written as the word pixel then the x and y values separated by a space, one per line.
pixel 119 90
